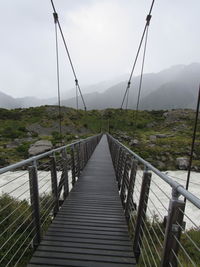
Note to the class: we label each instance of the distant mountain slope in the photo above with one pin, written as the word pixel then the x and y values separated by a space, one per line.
pixel 173 95
pixel 98 87
pixel 7 101
pixel 175 87
pixel 10 102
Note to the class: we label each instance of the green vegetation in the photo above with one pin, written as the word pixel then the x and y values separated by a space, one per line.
pixel 17 229
pixel 172 131
pixel 153 241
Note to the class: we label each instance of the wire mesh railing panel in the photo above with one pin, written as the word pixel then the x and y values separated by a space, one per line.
pixel 15 216
pixel 31 194
pixel 164 231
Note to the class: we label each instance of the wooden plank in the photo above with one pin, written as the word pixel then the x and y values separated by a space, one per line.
pixel 88 251
pixel 99 247
pixel 90 229
pixel 83 256
pixel 63 262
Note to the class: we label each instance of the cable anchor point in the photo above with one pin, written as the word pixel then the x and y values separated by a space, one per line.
pixel 55 16
pixel 148 18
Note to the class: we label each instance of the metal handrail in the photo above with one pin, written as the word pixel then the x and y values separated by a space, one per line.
pixel 39 199
pixel 143 207
pixel 175 185
pixel 32 159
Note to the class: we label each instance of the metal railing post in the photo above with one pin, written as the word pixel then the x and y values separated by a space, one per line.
pixel 121 168
pixel 118 167
pixel 141 214
pixel 114 154
pixel 35 203
pixel 118 161
pixel 173 231
pixel 78 160
pixel 65 173
pixel 73 166
pixel 125 179
pixel 130 190
pixel 54 184
pixel 84 154
pixel 81 155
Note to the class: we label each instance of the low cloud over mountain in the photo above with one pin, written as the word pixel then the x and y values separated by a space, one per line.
pixel 175 87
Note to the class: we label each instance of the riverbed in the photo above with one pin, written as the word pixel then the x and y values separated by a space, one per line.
pixel 16 184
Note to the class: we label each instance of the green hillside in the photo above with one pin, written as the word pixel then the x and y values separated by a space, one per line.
pixel 158 136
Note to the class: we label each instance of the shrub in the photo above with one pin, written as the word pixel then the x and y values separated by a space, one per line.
pixel 23 150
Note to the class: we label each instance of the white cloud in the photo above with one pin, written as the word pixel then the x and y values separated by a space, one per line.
pixel 102 36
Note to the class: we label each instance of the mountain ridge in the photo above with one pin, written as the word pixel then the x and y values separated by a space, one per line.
pixel 174 87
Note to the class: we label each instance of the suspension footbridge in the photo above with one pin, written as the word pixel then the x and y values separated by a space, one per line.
pixel 94 203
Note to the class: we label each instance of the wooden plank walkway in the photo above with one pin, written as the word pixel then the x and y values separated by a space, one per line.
pixel 90 229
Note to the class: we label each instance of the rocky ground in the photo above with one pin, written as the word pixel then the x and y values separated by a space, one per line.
pixel 161 137
pixel 166 144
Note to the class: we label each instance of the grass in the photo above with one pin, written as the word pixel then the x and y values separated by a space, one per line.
pixel 14 124
pixel 17 229
pixel 153 239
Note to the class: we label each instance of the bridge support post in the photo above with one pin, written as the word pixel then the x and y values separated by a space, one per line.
pixel 73 166
pixel 125 179
pixel 129 202
pixel 141 214
pixel 78 159
pixel 81 156
pixel 117 162
pixel 35 203
pixel 173 231
pixel 120 166
pixel 86 153
pixel 65 173
pixel 54 185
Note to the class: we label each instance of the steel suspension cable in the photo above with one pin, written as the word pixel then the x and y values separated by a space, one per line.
pixel 193 142
pixel 76 96
pixel 148 18
pixel 127 100
pixel 141 74
pixel 68 54
pixel 58 73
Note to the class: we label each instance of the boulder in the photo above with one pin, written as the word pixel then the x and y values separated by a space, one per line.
pixel 40 147
pixel 152 138
pixel 151 145
pixel 14 144
pixel 182 163
pixel 160 165
pixel 133 142
pixel 161 135
pixel 150 124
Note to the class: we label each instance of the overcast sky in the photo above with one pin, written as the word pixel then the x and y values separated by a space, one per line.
pixel 102 36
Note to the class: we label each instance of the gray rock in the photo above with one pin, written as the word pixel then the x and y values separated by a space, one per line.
pixel 40 147
pixel 165 114
pixel 152 138
pixel 163 158
pixel 161 135
pixel 151 145
pixel 182 163
pixel 160 165
pixel 43 131
pixel 14 144
pixel 150 124
pixel 125 137
pixel 134 142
